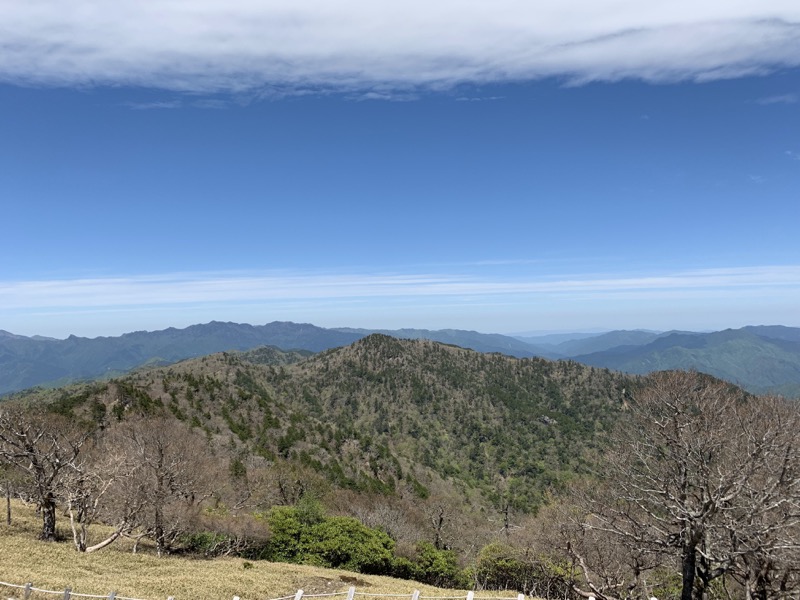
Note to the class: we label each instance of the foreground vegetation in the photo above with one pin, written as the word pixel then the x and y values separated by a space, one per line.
pixel 56 566
pixel 428 463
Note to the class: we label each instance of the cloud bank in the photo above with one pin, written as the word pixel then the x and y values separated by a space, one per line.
pixel 296 46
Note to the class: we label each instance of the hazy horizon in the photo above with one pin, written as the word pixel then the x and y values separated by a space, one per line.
pixel 588 331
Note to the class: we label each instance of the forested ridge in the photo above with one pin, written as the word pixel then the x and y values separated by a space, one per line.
pixel 384 415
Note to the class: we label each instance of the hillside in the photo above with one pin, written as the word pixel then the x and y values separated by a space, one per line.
pixel 473 340
pixel 391 417
pixel 604 341
pixel 143 575
pixel 760 359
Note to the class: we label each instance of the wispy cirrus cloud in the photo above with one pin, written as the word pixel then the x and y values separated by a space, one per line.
pixel 691 299
pixel 162 105
pixel 301 46
pixel 780 99
pixel 208 288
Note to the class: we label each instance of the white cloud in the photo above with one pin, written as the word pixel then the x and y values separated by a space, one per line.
pixel 286 46
pixel 212 288
pixel 387 96
pixel 696 299
pixel 211 103
pixel 781 99
pixel 166 104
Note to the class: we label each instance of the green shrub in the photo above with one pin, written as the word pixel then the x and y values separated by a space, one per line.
pixel 502 567
pixel 286 530
pixel 344 542
pixel 403 568
pixel 303 534
pixel 432 566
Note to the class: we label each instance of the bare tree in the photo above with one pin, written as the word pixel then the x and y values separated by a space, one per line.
pixel 401 518
pixel 587 560
pixel 89 488
pixel 175 473
pixel 43 447
pixel 761 524
pixel 12 482
pixel 693 469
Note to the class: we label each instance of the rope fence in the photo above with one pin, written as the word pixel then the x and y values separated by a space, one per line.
pixel 67 594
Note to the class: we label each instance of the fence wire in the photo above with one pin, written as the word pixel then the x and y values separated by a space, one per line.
pixel 68 594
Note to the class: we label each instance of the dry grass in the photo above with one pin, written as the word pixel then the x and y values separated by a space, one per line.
pixel 56 566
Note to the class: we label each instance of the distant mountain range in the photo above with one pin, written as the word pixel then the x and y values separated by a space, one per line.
pixel 759 358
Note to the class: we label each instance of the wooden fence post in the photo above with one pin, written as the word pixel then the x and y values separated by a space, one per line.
pixel 236 598
pixel 171 598
pixel 27 593
pixel 351 593
pixel 415 595
pixel 520 596
pixel 67 593
pixel 112 595
pixel 470 595
pixel 298 595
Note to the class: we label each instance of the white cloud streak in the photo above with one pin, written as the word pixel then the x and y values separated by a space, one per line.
pixel 183 289
pixel 781 99
pixel 290 46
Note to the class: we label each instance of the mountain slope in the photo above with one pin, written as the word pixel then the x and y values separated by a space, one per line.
pixel 391 417
pixel 473 340
pixel 756 362
pixel 605 341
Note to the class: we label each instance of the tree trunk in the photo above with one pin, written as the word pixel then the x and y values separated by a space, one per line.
pixel 78 535
pixel 757 585
pixel 106 542
pixel 48 520
pixel 688 565
pixel 8 503
pixel 158 532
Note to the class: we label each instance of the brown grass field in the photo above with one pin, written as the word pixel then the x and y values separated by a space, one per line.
pixel 56 566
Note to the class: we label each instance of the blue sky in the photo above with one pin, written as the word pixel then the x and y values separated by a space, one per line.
pixel 478 166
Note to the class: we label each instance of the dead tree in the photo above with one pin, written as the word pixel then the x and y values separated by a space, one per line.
pixel 692 469
pixel 175 473
pixel 43 447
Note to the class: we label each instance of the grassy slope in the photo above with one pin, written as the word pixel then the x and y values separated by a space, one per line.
pixel 143 575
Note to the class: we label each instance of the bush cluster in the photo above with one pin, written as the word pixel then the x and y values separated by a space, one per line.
pixel 304 534
pixel 502 567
